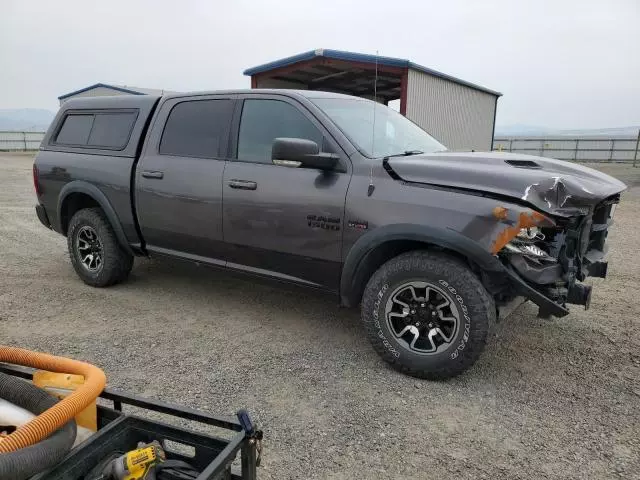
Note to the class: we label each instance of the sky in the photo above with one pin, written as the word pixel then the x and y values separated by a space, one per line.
pixel 560 64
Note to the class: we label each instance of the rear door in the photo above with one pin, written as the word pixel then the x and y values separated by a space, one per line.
pixel 280 221
pixel 179 178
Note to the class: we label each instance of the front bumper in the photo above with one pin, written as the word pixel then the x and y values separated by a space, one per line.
pixel 42 216
pixel 547 306
pixel 578 252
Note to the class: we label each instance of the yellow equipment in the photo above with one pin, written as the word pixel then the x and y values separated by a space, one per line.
pixel 60 385
pixel 139 464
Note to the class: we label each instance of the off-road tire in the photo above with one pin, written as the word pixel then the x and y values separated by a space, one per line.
pixel 116 263
pixel 476 306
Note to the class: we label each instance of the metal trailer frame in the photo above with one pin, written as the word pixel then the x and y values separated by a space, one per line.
pixel 111 419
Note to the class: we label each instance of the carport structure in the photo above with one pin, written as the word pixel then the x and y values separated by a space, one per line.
pixel 459 113
pixel 336 71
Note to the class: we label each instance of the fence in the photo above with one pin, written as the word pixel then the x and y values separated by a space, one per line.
pixel 20 141
pixel 584 149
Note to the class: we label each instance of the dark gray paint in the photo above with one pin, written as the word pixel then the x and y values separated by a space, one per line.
pixel 81 187
pixel 181 212
pixel 555 187
pixel 444 199
pixel 270 228
pixel 110 174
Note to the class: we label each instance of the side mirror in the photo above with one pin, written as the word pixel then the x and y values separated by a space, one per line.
pixel 298 152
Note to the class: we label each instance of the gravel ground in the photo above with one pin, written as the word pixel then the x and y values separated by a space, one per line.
pixel 548 399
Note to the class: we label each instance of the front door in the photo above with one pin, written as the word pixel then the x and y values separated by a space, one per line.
pixel 281 221
pixel 179 178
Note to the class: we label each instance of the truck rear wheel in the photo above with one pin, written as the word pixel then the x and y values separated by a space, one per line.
pixel 95 253
pixel 427 314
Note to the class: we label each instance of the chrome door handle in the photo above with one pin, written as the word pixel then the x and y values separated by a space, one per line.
pixel 152 174
pixel 243 184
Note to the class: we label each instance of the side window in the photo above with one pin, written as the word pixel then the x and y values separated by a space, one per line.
pixel 111 130
pixel 264 120
pixel 75 130
pixel 106 130
pixel 197 128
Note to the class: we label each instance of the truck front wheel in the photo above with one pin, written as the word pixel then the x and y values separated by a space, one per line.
pixel 95 253
pixel 427 314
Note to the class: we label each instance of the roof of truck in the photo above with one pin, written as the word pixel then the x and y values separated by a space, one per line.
pixel 135 101
pixel 115 101
pixel 273 91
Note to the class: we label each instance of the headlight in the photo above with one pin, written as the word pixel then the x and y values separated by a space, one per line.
pixel 530 250
pixel 530 233
pixel 525 225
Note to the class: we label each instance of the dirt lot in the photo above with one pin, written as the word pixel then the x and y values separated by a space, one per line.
pixel 548 399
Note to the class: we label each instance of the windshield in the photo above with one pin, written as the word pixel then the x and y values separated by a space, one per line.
pixel 394 134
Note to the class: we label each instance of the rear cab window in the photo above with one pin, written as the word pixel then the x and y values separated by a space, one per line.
pixel 108 130
pixel 197 128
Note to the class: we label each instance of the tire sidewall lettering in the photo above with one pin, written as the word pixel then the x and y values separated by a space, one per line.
pixel 467 319
pixel 376 321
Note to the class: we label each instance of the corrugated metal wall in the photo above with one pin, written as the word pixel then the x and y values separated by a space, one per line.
pixel 460 117
pixel 20 141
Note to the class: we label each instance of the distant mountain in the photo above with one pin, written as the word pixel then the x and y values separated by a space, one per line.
pixel 25 119
pixel 619 131
pixel 519 130
pixel 529 130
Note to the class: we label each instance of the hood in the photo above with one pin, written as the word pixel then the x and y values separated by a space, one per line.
pixel 552 186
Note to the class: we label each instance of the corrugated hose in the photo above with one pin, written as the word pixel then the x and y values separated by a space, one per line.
pixel 66 409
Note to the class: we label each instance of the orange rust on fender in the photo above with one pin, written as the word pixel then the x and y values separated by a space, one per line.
pixel 525 220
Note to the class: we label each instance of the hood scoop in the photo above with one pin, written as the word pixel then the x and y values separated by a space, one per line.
pixel 523 163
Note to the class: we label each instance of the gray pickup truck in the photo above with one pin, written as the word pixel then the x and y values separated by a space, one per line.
pixel 332 192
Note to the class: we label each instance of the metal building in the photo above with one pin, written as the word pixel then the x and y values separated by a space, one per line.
pixel 458 113
pixel 103 90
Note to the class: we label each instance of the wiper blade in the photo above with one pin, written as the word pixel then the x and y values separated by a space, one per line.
pixel 406 153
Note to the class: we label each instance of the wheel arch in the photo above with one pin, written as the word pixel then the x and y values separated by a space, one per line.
pixel 380 245
pixel 79 194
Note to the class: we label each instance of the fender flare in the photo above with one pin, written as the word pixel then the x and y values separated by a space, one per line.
pixel 80 186
pixel 445 238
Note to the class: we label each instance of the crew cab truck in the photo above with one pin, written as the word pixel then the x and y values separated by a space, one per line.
pixel 332 192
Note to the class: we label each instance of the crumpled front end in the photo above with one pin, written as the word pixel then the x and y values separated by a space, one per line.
pixel 553 256
pixel 548 226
